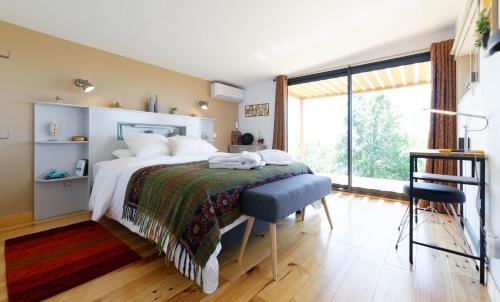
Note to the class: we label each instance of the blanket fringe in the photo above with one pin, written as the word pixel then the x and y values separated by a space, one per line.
pixel 158 233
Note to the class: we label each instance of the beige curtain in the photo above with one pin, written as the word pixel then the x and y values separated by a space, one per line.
pixel 443 128
pixel 280 114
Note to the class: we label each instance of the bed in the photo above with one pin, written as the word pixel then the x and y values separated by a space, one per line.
pixel 110 178
pixel 109 195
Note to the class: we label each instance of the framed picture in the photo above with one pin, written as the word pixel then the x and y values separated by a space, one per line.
pixel 257 110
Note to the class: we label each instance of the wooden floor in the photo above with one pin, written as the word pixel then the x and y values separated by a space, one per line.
pixel 356 261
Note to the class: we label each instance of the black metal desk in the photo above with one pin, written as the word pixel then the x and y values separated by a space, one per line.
pixel 474 179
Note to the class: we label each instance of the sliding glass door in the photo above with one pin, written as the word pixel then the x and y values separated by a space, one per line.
pixel 358 124
pixel 317 132
pixel 388 121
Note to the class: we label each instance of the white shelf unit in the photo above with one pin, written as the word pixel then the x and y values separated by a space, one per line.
pixel 60 196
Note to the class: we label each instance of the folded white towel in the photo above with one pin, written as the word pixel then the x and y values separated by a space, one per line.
pixel 243 160
pixel 236 165
pixel 275 157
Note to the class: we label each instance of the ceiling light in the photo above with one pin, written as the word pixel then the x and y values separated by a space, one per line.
pixel 203 105
pixel 84 84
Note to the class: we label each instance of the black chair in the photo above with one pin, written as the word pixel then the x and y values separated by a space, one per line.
pixel 434 193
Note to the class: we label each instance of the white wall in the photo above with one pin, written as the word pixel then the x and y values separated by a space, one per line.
pixel 263 92
pixel 485 99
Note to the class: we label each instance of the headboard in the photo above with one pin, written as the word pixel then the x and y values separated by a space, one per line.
pixel 107 127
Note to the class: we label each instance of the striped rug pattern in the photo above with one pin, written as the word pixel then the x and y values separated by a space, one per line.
pixel 43 264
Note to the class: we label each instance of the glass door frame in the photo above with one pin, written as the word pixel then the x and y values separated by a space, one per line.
pixel 348 72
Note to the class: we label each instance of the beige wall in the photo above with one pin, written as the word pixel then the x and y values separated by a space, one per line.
pixel 43 67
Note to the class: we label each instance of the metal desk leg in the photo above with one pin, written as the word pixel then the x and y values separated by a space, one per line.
pixel 461 165
pixel 415 169
pixel 482 241
pixel 410 214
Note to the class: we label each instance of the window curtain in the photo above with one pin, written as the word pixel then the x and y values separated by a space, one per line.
pixel 280 114
pixel 443 128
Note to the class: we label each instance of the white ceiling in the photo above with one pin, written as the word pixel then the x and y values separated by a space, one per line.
pixel 239 41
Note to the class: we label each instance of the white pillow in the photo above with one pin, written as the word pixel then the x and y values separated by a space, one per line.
pixel 184 145
pixel 147 144
pixel 122 153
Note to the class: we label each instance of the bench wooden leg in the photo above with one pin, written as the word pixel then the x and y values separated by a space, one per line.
pixel 303 214
pixel 274 250
pixel 323 201
pixel 245 237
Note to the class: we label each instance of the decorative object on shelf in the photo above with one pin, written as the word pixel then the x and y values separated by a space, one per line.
pixel 7 56
pixel 257 110
pixel 151 105
pixel 156 105
pixel 482 29
pixel 203 105
pixel 53 130
pixel 79 138
pixel 260 140
pixel 85 85
pixel 58 100
pixel 82 167
pixel 247 139
pixel 54 174
pixel 174 110
pixel 235 137
pixel 116 104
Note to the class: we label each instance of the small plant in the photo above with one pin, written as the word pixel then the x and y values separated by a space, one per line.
pixel 482 28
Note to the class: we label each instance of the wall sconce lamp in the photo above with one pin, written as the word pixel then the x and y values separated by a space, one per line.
pixel 85 85
pixel 467 123
pixel 203 105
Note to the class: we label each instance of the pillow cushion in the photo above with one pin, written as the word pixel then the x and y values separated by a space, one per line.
pixel 147 144
pixel 184 145
pixel 122 153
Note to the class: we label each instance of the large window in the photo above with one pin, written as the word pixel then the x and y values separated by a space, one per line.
pixel 358 125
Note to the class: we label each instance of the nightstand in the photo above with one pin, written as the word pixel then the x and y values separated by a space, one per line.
pixel 249 148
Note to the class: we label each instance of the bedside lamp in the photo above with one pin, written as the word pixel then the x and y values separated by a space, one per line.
pixel 466 125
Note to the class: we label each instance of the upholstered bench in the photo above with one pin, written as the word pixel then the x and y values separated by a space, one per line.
pixel 277 200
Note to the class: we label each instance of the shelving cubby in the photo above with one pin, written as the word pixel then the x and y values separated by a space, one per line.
pixel 59 196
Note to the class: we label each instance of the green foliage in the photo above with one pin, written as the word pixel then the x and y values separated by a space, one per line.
pixel 379 145
pixel 482 26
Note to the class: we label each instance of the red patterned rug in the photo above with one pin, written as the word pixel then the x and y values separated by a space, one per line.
pixel 43 264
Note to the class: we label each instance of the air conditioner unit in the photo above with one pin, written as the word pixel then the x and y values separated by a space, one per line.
pixel 226 93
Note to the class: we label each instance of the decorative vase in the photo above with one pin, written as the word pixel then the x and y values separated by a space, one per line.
pixel 157 105
pixel 151 107
pixel 484 39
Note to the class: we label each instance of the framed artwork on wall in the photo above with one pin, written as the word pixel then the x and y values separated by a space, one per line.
pixel 257 110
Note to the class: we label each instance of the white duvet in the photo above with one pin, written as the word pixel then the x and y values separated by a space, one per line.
pixel 108 195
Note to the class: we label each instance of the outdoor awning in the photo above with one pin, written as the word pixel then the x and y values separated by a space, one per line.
pixel 395 77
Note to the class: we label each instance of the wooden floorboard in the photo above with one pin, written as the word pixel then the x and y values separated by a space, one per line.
pixel 356 261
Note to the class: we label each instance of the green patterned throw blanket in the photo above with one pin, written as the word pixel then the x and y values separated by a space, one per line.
pixel 185 206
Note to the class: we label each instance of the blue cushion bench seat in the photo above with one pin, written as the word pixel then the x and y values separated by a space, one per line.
pixel 277 200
